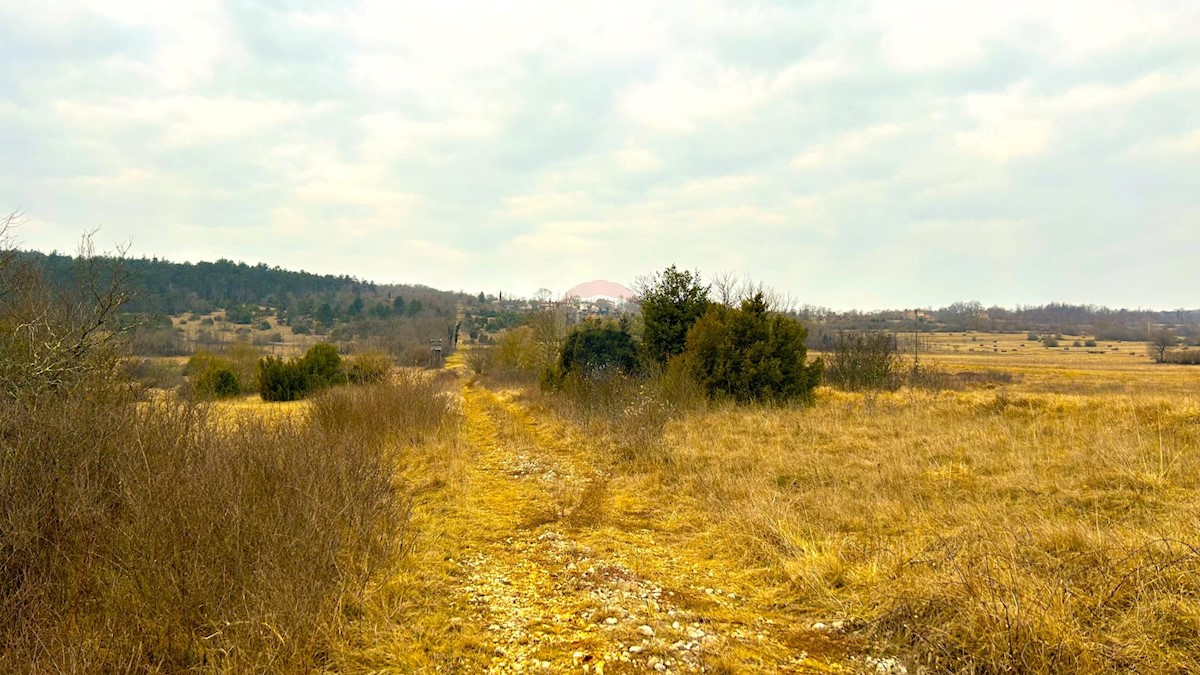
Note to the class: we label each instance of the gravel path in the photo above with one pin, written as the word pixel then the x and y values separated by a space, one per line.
pixel 558 587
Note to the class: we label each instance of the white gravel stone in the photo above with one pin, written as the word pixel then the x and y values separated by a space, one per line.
pixel 647 631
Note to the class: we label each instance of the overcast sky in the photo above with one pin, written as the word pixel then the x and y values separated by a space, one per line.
pixel 854 154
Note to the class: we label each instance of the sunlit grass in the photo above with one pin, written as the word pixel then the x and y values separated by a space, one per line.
pixel 998 530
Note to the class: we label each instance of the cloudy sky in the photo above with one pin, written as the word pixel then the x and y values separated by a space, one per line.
pixel 855 154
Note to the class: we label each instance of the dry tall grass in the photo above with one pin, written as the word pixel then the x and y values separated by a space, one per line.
pixel 153 537
pixel 977 532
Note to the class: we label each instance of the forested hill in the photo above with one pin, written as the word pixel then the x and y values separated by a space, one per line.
pixel 162 286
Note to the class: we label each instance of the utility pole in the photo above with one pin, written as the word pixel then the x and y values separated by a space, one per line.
pixel 916 343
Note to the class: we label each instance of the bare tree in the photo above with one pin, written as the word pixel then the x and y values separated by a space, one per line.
pixel 731 288
pixel 1161 343
pixel 53 336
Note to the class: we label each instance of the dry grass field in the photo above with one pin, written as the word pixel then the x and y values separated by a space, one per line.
pixel 1112 366
pixel 1045 524
pixel 1041 518
pixel 1038 510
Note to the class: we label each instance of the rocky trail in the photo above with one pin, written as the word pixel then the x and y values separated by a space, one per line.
pixel 556 565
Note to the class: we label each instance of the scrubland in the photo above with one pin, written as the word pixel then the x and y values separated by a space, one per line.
pixel 161 535
pixel 1032 511
pixel 1023 510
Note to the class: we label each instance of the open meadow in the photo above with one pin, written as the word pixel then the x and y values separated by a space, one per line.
pixel 1043 519
pixel 1023 508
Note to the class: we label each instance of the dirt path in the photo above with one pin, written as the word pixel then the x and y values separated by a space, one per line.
pixel 562 567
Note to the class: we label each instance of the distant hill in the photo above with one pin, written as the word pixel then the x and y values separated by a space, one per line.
pixel 600 288
pixel 163 286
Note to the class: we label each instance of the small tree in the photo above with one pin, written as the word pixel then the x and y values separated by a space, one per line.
pixel 1161 343
pixel 751 354
pixel 671 303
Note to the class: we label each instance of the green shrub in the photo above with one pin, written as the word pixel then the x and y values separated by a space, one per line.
pixel 280 380
pixel 595 350
pixel 751 354
pixel 292 380
pixel 323 366
pixel 219 382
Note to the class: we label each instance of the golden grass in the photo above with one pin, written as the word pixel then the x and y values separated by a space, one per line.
pixel 167 536
pixel 1046 523
pixel 1109 367
pixel 983 531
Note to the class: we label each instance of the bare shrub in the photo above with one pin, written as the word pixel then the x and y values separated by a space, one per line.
pixel 52 338
pixel 859 360
pixel 408 409
pixel 371 367
pixel 479 359
pixel 1187 357
pixel 524 352
pixel 151 536
pixel 174 541
pixel 626 412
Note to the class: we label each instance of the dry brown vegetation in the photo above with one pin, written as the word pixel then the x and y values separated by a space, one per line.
pixel 162 537
pixel 984 532
pixel 1042 520
pixel 1022 509
pixel 1026 509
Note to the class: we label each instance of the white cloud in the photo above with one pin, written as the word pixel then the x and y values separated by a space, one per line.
pixel 636 160
pixel 953 34
pixel 553 139
pixel 1003 139
pixel 1176 147
pixel 181 120
pixel 544 205
pixel 693 89
pixel 846 147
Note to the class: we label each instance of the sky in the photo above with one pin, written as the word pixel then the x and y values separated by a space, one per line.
pixel 852 154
